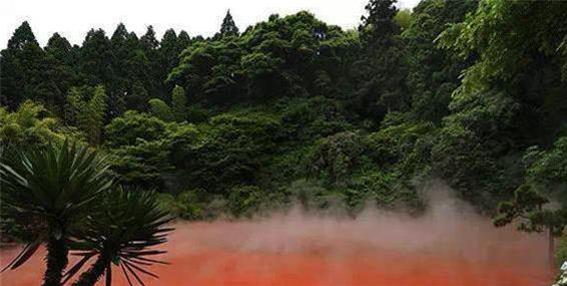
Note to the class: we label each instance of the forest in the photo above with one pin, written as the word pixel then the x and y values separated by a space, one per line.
pixel 294 110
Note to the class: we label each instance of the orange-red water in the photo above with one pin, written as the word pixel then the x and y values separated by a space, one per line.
pixel 445 248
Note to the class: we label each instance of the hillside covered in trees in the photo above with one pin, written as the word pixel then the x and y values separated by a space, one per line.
pixel 293 109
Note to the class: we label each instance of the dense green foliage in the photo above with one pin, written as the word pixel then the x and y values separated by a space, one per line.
pixel 295 110
pixel 28 125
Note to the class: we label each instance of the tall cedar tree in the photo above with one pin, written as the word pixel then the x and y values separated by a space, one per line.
pixel 154 84
pixel 228 27
pixel 21 66
pixel 96 58
pixel 59 73
pixel 378 27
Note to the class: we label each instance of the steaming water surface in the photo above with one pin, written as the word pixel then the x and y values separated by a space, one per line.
pixel 446 247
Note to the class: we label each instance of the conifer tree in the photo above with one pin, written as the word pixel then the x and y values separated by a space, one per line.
pixel 183 41
pixel 379 25
pixel 60 48
pixel 59 71
pixel 228 27
pixel 22 37
pixel 120 55
pixel 171 46
pixel 96 58
pixel 130 65
pixel 380 71
pixel 148 40
pixel 168 51
pixel 21 67
pixel 149 78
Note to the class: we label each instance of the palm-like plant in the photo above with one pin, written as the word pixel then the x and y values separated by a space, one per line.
pixel 124 232
pixel 50 189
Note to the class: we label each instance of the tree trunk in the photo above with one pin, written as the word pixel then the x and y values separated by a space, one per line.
pixel 91 276
pixel 108 275
pixel 57 251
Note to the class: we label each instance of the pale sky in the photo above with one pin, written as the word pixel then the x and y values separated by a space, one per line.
pixel 74 18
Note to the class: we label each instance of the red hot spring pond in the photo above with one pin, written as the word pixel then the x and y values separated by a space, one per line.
pixel 446 247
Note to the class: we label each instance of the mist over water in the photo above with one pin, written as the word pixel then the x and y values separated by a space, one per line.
pixel 449 245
